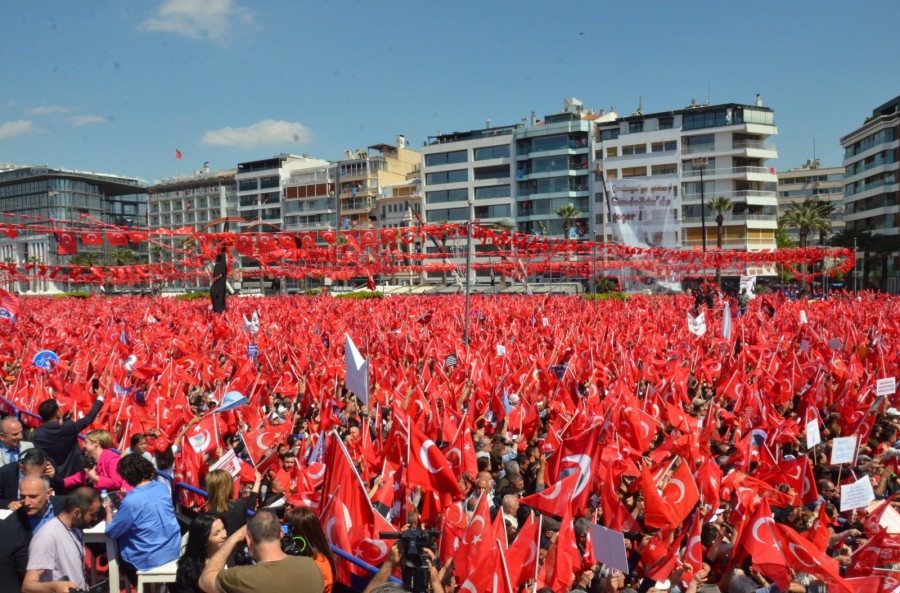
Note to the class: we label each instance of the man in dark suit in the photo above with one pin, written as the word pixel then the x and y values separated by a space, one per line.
pixel 39 506
pixel 59 437
pixel 33 462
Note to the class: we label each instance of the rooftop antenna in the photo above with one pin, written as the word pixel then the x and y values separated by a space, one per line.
pixel 814 149
pixel 707 94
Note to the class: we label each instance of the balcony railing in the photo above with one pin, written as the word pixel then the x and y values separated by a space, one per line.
pixel 711 218
pixel 736 145
pixel 740 195
pixel 357 204
pixel 728 171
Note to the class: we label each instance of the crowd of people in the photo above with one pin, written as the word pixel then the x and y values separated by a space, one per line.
pixel 569 446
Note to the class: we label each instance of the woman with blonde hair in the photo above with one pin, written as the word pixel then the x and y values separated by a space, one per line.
pixel 222 503
pixel 105 474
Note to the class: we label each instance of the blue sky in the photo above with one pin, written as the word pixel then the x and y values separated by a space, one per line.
pixel 117 86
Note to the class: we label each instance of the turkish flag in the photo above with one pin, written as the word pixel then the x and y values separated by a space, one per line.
pixel 368 237
pixel 474 559
pixel 429 467
pixel 804 557
pixel 461 452
pixel 137 236
pixel 328 236
pixel 205 436
pixel 307 240
pixel 522 555
pixel 244 244
pixel 265 242
pixel 116 238
pixel 563 558
pixel 66 243
pixel 765 546
pixel 258 441
pixel 577 454
pixel 657 513
pixel 681 493
pixel 553 500
pixel 693 553
pixel 91 238
pixel 286 241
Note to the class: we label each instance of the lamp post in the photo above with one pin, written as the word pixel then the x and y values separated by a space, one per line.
pixel 700 163
pixel 470 248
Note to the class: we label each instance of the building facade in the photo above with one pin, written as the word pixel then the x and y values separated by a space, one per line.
pixel 706 152
pixel 61 198
pixel 192 200
pixel 813 182
pixel 872 187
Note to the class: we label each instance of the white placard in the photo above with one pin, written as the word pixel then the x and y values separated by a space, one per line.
pixel 813 437
pixel 890 518
pixel 886 386
pixel 843 450
pixel 857 495
pixel 545 322
pixel 609 547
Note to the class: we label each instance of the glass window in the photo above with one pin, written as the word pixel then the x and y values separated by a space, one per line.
pixel 635 126
pixel 454 176
pixel 634 149
pixel 666 123
pixel 612 151
pixel 667 146
pixel 609 134
pixel 497 191
pixel 634 172
pixel 446 158
pixel 492 152
pixel 500 172
pixel 268 182
pixel 247 185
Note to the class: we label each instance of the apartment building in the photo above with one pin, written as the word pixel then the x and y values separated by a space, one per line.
pixel 871 185
pixel 706 151
pixel 812 181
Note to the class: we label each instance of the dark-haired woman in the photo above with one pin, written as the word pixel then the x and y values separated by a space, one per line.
pixel 307 533
pixel 205 536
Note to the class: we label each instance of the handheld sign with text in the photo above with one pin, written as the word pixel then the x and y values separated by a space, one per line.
pixel 886 386
pixel 857 495
pixel 252 351
pixel 843 450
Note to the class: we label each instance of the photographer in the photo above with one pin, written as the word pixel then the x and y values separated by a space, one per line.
pixel 274 570
pixel 381 583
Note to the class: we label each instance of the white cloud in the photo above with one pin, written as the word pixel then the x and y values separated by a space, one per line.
pixel 46 110
pixel 210 20
pixel 266 132
pixel 84 120
pixel 17 128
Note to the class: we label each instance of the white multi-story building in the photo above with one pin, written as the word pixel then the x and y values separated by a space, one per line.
pixel 872 184
pixel 813 182
pixel 726 147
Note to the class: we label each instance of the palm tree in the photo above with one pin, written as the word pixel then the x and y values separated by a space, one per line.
pixel 721 205
pixel 568 213
pixel 811 215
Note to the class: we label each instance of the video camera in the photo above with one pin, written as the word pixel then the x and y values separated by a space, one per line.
pixel 415 561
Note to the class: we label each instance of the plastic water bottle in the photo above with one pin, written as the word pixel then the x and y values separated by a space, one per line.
pixel 104 498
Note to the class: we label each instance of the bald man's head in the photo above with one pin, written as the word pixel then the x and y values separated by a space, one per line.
pixel 10 432
pixel 35 491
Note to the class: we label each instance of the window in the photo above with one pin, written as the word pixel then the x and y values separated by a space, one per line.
pixel 247 185
pixel 453 195
pixel 635 126
pixel 665 169
pixel 500 172
pixel 667 146
pixel 612 151
pixel 446 158
pixel 492 152
pixel 634 149
pixel 269 182
pixel 634 172
pixel 498 211
pixel 666 123
pixel 497 191
pixel 454 176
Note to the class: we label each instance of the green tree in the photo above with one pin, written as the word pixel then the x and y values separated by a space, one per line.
pixel 883 246
pixel 721 205
pixel 156 251
pixel 123 257
pixel 808 216
pixel 568 213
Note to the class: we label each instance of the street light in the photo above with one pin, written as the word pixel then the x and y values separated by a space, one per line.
pixel 700 163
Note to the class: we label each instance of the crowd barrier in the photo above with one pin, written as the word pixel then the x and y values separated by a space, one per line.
pixel 28 418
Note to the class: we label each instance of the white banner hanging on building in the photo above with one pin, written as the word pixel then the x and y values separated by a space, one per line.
pixel 643 213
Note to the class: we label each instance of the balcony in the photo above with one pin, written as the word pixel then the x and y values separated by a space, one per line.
pixel 737 146
pixel 728 171
pixel 741 195
pixel 355 206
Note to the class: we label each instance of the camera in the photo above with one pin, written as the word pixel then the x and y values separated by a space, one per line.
pixel 416 569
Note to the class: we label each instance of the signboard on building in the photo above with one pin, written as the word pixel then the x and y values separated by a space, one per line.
pixel 643 213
